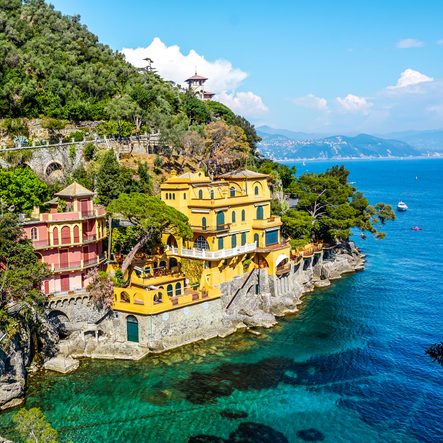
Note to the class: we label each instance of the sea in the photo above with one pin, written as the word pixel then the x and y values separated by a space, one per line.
pixel 350 366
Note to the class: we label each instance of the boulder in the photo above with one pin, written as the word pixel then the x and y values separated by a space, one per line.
pixel 61 364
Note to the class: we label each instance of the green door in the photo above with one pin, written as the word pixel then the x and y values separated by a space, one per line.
pixel 132 328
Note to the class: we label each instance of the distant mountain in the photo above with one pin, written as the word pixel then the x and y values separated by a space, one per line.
pixel 281 147
pixel 425 141
pixel 265 131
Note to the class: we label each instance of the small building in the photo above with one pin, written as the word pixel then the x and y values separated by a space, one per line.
pixel 196 85
pixel 68 238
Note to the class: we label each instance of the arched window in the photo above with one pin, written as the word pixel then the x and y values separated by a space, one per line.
pixel 256 239
pixel 233 217
pixel 260 213
pixel 170 290
pixel 220 243
pixel 233 241
pixel 173 262
pixel 124 297
pixel 232 191
pixel 243 238
pixel 201 243
pixel 167 196
pixel 243 215
pixel 220 220
pixel 55 235
pixel 34 234
pixel 200 194
pixel 173 196
pixel 178 289
pixel 204 223
pixel 76 234
pixel 256 190
pixel 66 235
pixel 132 328
pixel 211 194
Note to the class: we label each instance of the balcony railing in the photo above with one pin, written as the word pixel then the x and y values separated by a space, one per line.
pixel 79 265
pixel 267 222
pixel 206 228
pixel 42 244
pixel 215 255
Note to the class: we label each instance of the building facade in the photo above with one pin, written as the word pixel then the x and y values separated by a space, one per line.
pixel 196 85
pixel 68 238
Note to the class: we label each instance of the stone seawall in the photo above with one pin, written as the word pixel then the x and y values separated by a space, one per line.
pixel 254 299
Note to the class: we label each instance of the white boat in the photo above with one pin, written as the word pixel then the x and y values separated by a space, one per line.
pixel 402 206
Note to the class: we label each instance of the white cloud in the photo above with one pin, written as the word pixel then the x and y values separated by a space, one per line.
pixel 410 77
pixel 312 101
pixel 407 43
pixel 243 103
pixel 223 78
pixel 354 103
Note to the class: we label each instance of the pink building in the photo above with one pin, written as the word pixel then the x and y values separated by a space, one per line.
pixel 69 238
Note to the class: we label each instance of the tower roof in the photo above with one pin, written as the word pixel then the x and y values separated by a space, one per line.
pixel 243 174
pixel 75 190
pixel 195 77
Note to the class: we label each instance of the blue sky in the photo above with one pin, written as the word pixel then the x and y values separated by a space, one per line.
pixel 324 66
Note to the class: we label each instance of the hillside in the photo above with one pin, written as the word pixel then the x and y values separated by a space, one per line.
pixel 280 147
pixel 428 142
pixel 52 67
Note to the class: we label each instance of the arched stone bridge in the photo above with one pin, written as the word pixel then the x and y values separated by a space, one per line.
pixel 54 160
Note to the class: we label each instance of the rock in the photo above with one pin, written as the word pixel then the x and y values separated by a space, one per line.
pixel 3 440
pixel 61 364
pixel 322 283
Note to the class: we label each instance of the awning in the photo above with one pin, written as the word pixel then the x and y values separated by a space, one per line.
pixel 280 258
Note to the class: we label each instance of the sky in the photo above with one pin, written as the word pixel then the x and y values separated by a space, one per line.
pixel 324 66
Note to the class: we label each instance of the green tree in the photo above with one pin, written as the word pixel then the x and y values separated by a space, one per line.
pixel 108 182
pixel 21 276
pixel 152 217
pixel 20 187
pixel 32 426
pixel 334 206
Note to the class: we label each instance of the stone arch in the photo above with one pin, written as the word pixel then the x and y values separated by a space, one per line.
pixel 54 169
pixel 60 315
pixel 172 242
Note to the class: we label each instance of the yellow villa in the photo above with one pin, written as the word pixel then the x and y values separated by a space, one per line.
pixel 233 234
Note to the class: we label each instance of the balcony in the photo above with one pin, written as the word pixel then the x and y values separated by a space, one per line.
pixel 86 239
pixel 273 247
pixel 78 265
pixel 210 229
pixel 204 254
pixel 281 270
pixel 269 222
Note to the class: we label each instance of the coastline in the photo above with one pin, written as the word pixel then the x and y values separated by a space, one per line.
pixel 223 318
pixel 332 159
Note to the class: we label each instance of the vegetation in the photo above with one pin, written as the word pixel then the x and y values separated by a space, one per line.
pixel 152 217
pixel 329 207
pixel 32 426
pixel 101 289
pixel 21 276
pixel 21 189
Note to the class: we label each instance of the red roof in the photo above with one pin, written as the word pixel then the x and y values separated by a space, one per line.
pixel 196 77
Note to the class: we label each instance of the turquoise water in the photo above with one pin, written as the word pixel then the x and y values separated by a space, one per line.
pixel 349 367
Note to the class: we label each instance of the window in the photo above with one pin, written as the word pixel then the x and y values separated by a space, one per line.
pixel 243 238
pixel 260 213
pixel 220 243
pixel 167 195
pixel 34 234
pixel 173 196
pixel 184 196
pixel 233 217
pixel 232 191
pixel 256 190
pixel 201 243
pixel 234 241
pixel 271 237
pixel 204 223
pixel 170 290
pixel 178 289
pixel 200 194
pixel 211 194
pixel 256 239
pixel 220 220
pixel 243 215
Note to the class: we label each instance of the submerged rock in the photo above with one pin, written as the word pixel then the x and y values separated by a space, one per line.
pixel 310 434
